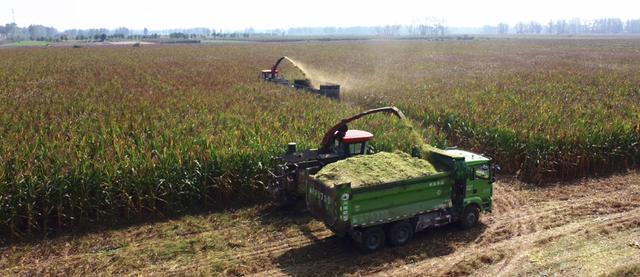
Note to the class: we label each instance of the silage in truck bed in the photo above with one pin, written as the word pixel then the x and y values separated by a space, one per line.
pixel 368 170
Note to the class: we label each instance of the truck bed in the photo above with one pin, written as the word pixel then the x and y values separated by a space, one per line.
pixel 342 207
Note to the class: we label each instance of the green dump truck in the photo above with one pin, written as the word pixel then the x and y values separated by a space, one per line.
pixel 459 190
pixel 455 187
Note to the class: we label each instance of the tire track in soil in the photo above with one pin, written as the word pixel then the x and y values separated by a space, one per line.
pixel 260 253
pixel 511 252
pixel 513 233
pixel 280 246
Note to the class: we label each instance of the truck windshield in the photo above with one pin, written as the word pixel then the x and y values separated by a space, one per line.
pixel 482 172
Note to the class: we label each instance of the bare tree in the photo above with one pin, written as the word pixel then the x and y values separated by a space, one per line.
pixel 488 29
pixel 633 26
pixel 535 27
pixel 561 27
pixel 427 26
pixel 122 31
pixel 11 30
pixel 503 28
pixel 521 28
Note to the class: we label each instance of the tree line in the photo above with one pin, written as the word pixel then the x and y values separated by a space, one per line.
pixel 33 32
pixel 12 31
pixel 573 26
pixel 424 27
pixel 42 33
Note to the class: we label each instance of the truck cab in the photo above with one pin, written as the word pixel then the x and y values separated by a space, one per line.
pixel 479 189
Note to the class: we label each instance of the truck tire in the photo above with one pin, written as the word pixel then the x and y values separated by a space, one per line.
pixel 400 233
pixel 470 216
pixel 372 240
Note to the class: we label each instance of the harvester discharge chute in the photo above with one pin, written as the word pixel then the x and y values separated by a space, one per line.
pixel 329 90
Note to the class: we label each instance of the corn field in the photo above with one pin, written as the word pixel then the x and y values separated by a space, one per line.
pixel 110 135
pixel 107 135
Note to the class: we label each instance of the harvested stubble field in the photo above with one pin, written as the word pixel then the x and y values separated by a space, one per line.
pixel 107 135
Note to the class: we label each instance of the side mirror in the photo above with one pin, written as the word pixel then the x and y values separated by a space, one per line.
pixel 370 150
pixel 495 168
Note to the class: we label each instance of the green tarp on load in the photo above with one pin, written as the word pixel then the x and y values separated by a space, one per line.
pixel 368 170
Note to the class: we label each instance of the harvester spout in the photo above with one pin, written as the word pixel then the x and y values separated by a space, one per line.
pixel 274 68
pixel 342 127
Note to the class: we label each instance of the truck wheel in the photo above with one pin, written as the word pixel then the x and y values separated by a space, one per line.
pixel 372 240
pixel 400 233
pixel 470 216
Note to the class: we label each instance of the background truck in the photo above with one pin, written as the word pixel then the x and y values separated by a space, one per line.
pixel 394 211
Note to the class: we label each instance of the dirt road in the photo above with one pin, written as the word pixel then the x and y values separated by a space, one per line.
pixel 589 227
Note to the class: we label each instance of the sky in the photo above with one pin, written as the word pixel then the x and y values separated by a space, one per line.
pixel 241 14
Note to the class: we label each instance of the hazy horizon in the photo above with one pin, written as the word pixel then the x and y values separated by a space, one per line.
pixel 241 14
